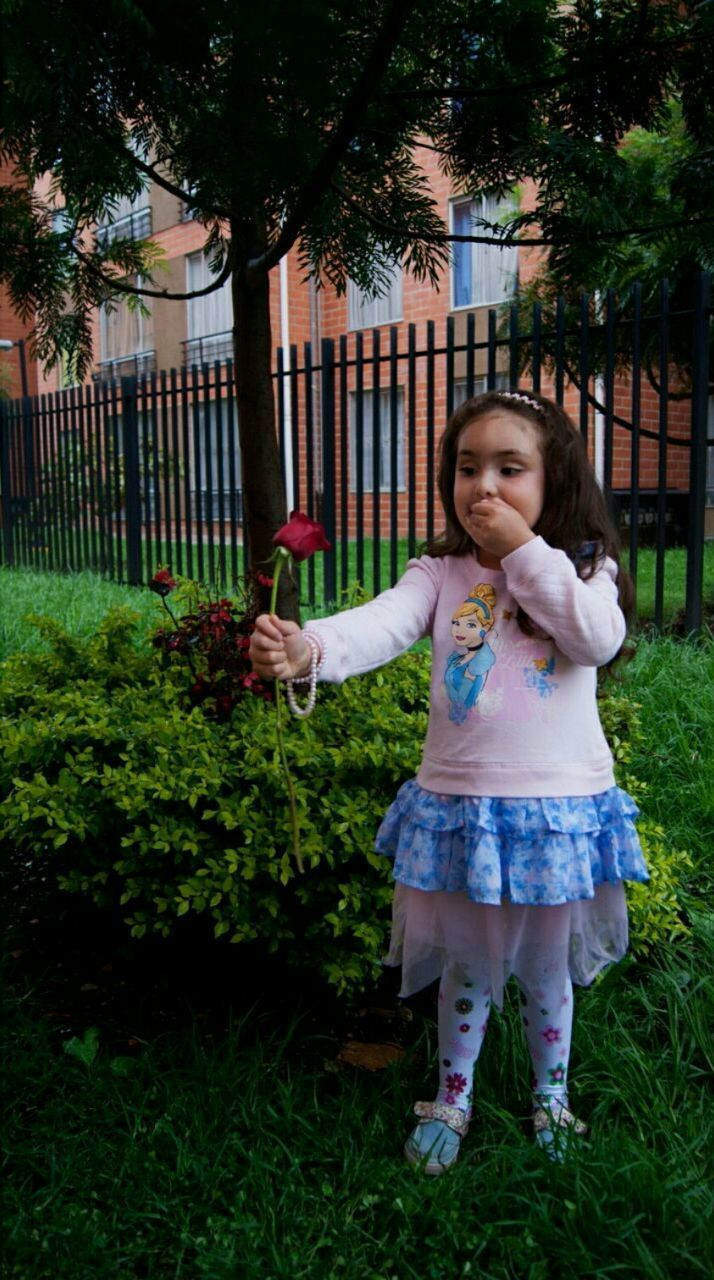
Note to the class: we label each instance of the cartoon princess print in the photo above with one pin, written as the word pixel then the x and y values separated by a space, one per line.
pixel 468 666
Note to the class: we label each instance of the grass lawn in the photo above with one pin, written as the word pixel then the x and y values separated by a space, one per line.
pixel 206 1132
pixel 80 600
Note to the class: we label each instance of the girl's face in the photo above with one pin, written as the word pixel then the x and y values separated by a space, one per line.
pixel 499 456
pixel 466 631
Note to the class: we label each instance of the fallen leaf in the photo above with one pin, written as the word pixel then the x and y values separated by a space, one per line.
pixel 370 1057
pixel 400 1014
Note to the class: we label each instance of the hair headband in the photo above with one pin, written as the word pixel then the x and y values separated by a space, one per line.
pixel 518 395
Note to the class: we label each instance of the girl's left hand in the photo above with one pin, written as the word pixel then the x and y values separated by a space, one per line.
pixel 498 528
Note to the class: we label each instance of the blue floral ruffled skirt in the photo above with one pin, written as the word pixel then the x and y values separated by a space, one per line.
pixel 500 885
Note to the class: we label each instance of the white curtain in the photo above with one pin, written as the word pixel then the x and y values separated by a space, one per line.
pixel 214 312
pixel 124 332
pixel 385 450
pixel 366 313
pixel 483 274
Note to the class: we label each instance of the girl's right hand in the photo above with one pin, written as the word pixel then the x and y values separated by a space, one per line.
pixel 278 649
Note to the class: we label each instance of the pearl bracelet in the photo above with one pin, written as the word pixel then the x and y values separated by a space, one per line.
pixel 317 659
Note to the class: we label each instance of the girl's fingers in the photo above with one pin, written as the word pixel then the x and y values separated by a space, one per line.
pixel 265 625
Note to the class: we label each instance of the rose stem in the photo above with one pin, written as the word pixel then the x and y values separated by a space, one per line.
pixel 281 557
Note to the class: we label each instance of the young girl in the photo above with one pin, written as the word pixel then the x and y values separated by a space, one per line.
pixel 511 845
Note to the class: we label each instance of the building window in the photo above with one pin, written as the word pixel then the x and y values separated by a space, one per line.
pixel 480 385
pixel 482 274
pixel 206 499
pixel 385 440
pixel 61 222
pixel 126 338
pixel 128 219
pixel 368 313
pixel 210 318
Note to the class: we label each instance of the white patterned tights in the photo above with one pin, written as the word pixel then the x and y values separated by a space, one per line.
pixel 464 1006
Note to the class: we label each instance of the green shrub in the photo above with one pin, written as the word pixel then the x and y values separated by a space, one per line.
pixel 113 787
pixel 654 908
pixel 124 794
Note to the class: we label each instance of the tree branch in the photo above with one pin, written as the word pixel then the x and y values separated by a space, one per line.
pixel 529 86
pixel 457 91
pixel 151 172
pixel 173 190
pixel 319 180
pixel 118 286
pixel 380 225
pixel 442 238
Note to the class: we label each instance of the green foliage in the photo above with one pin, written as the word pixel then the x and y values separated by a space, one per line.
pixel 316 145
pixel 109 784
pixel 661 181
pixel 655 908
pixel 114 789
pixel 210 639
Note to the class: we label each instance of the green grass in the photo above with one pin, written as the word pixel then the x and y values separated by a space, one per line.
pixel 674 684
pixel 81 599
pixel 675 570
pixel 242 1156
pixel 212 1137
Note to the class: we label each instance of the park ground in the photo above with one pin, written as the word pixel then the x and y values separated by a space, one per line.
pixel 189 1111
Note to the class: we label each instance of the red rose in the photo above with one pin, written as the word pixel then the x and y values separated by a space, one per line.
pixel 302 537
pixel 162 582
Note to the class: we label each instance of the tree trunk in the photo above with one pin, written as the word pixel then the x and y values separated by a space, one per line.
pixel 263 492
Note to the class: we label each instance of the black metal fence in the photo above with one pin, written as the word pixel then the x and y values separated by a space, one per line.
pixel 122 476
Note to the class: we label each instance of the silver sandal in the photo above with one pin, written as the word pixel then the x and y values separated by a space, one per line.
pixel 436 1151
pixel 554 1129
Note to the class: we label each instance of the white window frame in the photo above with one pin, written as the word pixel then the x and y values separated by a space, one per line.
pixel 385 394
pixel 489 209
pixel 364 312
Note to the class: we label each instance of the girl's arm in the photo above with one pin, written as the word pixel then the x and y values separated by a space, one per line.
pixel 361 639
pixel 583 616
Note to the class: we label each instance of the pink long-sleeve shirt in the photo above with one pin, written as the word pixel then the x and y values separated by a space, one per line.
pixel 510 715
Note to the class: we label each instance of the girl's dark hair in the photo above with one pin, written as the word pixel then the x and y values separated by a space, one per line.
pixel 575 517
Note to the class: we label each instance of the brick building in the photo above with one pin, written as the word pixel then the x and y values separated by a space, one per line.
pixel 479 279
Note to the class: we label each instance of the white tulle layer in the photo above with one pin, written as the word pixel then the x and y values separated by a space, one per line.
pixel 539 945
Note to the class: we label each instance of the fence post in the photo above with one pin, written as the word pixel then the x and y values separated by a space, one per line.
pixel 6 485
pixel 698 455
pixel 132 490
pixel 328 466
